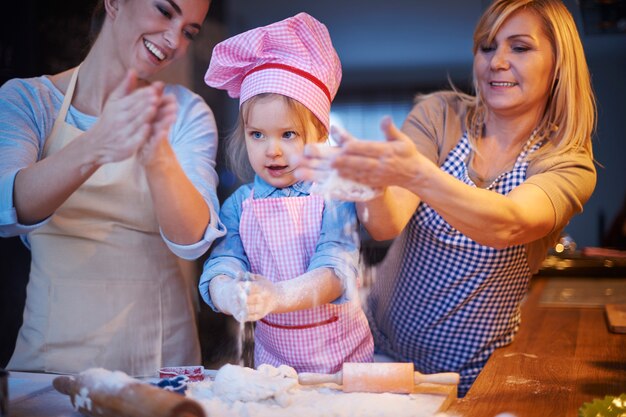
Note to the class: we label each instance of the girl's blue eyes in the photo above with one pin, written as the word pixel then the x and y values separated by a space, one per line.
pixel 287 135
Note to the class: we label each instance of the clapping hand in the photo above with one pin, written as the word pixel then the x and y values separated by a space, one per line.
pixel 157 147
pixel 134 120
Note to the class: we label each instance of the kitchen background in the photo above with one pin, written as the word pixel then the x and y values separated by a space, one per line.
pixel 390 51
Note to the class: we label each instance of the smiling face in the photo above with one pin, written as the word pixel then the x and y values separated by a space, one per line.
pixel 273 133
pixel 514 72
pixel 150 34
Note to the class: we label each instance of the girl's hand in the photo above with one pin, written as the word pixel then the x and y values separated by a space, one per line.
pixel 126 120
pixel 262 297
pixel 229 296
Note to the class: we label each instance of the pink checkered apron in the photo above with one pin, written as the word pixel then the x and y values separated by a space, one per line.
pixel 279 236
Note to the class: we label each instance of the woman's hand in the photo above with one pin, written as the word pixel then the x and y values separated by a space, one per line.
pixel 395 161
pixel 157 147
pixel 126 121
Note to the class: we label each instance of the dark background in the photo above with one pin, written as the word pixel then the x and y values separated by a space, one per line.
pixel 389 50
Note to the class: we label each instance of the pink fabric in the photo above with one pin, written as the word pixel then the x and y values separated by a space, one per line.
pixel 308 69
pixel 279 236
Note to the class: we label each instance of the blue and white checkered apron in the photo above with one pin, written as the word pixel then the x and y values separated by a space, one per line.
pixel 443 301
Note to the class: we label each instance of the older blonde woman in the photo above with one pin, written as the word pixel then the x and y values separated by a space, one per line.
pixel 475 189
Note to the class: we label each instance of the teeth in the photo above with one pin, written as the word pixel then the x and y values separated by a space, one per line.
pixel 153 48
pixel 502 84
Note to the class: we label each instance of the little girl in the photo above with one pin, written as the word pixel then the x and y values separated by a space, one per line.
pixel 299 253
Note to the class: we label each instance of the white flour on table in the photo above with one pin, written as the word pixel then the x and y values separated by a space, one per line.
pixel 275 392
pixel 105 380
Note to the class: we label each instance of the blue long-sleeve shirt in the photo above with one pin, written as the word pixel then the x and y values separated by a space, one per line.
pixel 337 247
pixel 28 109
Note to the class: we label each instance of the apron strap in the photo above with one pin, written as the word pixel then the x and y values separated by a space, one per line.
pixel 69 94
pixel 58 122
pixel 67 100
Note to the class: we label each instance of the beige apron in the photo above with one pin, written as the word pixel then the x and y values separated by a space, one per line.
pixel 104 289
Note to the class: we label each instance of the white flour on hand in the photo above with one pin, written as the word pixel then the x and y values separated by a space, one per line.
pixel 338 188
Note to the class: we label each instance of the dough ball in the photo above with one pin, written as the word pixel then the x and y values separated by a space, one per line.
pixel 237 383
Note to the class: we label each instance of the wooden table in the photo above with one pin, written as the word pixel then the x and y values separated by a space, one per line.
pixel 560 359
pixel 32 395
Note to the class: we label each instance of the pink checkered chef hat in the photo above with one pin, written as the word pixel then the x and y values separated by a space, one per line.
pixel 294 57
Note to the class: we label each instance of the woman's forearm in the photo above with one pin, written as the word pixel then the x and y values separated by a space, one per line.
pixel 385 217
pixel 42 187
pixel 487 217
pixel 182 212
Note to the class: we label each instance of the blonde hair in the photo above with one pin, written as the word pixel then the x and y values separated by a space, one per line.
pixel 569 119
pixel 235 146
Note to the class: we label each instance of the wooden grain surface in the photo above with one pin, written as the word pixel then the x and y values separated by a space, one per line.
pixel 560 359
pixel 616 317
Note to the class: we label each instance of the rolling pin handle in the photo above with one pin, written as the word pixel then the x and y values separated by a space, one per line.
pixel 308 378
pixel 444 378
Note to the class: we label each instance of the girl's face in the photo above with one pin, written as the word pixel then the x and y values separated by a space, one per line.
pixel 273 133
pixel 514 73
pixel 150 34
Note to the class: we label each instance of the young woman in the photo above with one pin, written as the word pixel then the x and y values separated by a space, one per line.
pixel 110 178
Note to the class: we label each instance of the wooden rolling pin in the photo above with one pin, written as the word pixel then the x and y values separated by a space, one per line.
pixel 133 399
pixel 382 377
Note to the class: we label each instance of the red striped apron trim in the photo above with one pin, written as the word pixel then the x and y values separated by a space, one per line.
pixel 302 326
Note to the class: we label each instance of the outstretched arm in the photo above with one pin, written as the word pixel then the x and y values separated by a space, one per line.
pixel 487 217
pixel 314 288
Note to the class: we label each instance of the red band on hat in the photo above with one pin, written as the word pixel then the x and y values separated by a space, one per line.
pixel 294 70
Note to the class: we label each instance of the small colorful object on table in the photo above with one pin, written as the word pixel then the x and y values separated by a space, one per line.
pixel 194 373
pixel 177 384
